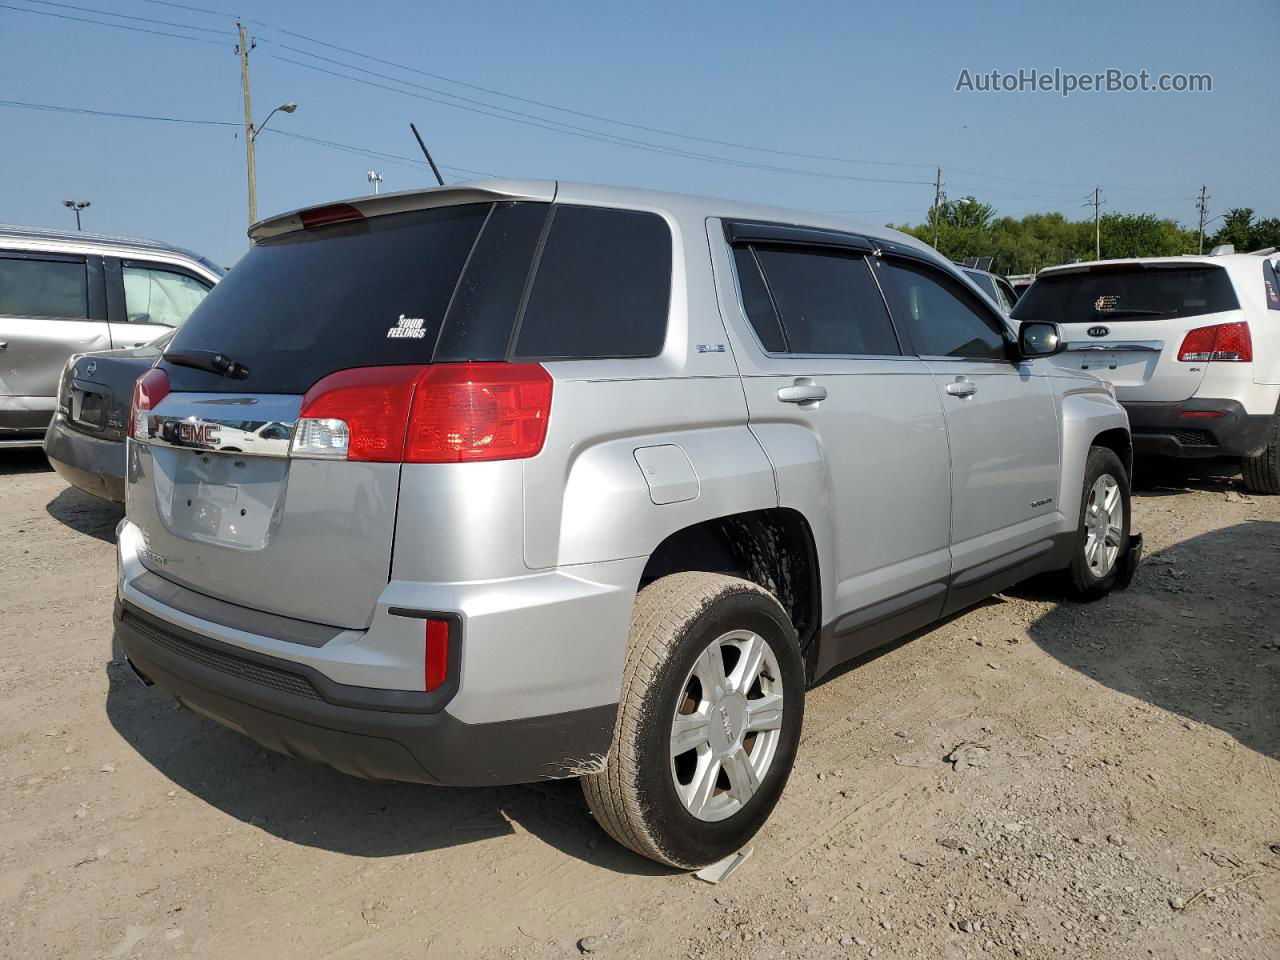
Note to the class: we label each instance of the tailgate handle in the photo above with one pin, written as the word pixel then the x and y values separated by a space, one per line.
pixel 962 387
pixel 803 391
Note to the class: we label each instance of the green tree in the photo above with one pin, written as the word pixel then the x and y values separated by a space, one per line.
pixel 1236 229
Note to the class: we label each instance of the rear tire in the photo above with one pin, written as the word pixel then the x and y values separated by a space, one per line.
pixel 713 666
pixel 1098 549
pixel 1262 473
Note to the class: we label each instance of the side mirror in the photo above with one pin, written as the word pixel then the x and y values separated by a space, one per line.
pixel 1038 339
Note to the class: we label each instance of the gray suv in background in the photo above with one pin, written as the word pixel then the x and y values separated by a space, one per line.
pixel 70 293
pixel 516 480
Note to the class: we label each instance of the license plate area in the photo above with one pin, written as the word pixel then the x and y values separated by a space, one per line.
pixel 219 498
pixel 88 406
pixel 1120 367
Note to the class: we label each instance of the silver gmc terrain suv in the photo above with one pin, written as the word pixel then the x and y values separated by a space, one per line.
pixel 514 480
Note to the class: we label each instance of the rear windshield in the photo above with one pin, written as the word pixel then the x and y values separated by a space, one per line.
pixel 304 304
pixel 1128 293
pixel 442 285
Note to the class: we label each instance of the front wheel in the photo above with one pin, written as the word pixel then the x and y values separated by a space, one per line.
pixel 1102 537
pixel 708 722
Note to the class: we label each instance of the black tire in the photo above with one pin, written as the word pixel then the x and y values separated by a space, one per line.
pixel 1262 473
pixel 635 797
pixel 1079 580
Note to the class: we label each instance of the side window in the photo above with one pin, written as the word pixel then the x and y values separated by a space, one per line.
pixel 152 295
pixel 943 318
pixel 602 289
pixel 827 302
pixel 44 288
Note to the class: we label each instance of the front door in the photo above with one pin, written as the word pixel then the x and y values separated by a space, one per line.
pixel 1002 421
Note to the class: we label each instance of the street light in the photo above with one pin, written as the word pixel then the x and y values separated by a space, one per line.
pixel 250 155
pixel 76 206
pixel 374 177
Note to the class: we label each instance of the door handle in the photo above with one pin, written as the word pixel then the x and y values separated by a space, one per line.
pixel 803 391
pixel 4 344
pixel 962 387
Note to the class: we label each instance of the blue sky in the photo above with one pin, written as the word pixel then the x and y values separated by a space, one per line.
pixel 854 81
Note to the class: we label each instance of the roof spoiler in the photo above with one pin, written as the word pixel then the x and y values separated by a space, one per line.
pixel 377 205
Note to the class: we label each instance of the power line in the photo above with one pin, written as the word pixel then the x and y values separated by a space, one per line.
pixel 126 16
pixel 375 154
pixel 103 23
pixel 111 113
pixel 350 148
pixel 543 124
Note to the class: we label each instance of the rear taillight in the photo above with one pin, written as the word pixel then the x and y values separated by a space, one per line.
pixel 148 391
pixel 446 413
pixel 436 654
pixel 1224 341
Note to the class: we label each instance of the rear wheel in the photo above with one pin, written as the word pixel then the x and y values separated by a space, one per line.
pixel 708 722
pixel 1102 536
pixel 1262 473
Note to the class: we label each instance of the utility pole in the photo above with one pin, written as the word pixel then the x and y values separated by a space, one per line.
pixel 76 206
pixel 374 177
pixel 1097 225
pixel 250 161
pixel 937 204
pixel 1202 205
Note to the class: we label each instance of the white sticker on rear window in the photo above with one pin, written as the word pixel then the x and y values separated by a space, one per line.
pixel 1106 302
pixel 410 327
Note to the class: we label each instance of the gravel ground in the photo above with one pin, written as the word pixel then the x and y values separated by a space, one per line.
pixel 1030 779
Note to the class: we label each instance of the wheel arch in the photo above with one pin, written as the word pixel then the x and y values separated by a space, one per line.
pixel 772 547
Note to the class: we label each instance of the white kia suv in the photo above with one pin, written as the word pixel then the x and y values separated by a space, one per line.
pixel 1191 345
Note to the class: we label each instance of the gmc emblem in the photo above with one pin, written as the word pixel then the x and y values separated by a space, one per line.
pixel 1098 331
pixel 205 434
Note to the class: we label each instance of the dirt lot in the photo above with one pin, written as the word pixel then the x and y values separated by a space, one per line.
pixel 1114 790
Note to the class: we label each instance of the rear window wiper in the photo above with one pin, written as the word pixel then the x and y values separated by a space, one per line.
pixel 208 360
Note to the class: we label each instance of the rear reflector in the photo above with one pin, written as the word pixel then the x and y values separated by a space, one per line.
pixel 436 654
pixel 1202 414
pixel 333 213
pixel 446 413
pixel 1224 341
pixel 148 390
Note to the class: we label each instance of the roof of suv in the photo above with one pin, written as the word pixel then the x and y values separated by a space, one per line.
pixel 1228 260
pixel 43 238
pixel 676 204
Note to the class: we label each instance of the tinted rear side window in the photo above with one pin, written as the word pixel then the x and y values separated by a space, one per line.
pixel 828 303
pixel 299 306
pixel 756 302
pixel 1128 293
pixel 602 288
pixel 43 288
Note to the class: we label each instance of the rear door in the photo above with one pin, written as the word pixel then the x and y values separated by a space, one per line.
pixel 223 507
pixel 1002 420
pixel 146 299
pixel 821 357
pixel 1125 322
pixel 51 306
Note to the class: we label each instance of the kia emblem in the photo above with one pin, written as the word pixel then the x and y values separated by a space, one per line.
pixel 1098 331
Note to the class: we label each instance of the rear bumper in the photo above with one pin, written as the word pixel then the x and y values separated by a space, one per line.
pixel 92 464
pixel 291 710
pixel 1199 427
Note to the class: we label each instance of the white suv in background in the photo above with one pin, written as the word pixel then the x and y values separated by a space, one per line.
pixel 1191 345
